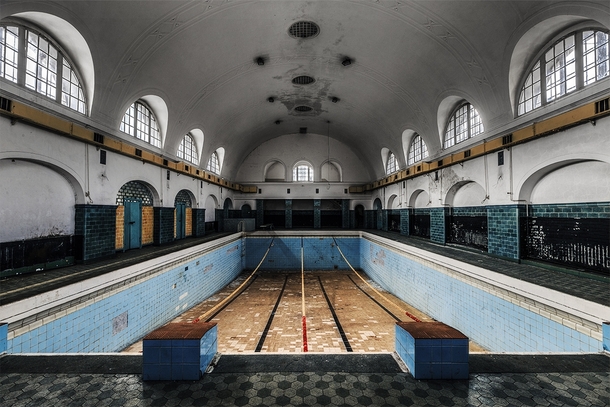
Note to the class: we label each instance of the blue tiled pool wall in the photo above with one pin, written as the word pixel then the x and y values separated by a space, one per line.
pixel 493 322
pixel 115 322
pixel 320 253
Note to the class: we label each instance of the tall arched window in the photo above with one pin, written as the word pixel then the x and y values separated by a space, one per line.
pixel 418 150
pixel 35 61
pixel 302 172
pixel 391 165
pixel 188 150
pixel 464 123
pixel 577 60
pixel 213 164
pixel 140 123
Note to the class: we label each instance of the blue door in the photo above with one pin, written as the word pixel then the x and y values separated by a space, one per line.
pixel 180 221
pixel 133 224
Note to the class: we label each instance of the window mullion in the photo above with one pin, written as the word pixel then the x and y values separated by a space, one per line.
pixel 578 54
pixel 21 57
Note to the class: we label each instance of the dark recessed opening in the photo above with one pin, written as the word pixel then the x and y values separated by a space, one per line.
pixel 500 158
pixel 303 109
pixel 303 130
pixel 103 157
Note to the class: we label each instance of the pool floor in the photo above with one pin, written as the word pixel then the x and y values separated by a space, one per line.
pixel 345 313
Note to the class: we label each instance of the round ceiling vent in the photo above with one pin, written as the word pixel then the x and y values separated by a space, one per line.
pixel 304 29
pixel 303 109
pixel 303 80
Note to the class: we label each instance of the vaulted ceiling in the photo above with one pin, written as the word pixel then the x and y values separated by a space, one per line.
pixel 410 60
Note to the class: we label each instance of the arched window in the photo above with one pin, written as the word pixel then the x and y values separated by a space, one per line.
pixel 188 150
pixel 302 172
pixel 33 60
pixel 464 123
pixel 577 60
pixel 140 123
pixel 391 165
pixel 418 150
pixel 213 164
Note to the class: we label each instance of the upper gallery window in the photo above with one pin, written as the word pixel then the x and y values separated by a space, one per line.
pixel 188 150
pixel 418 150
pixel 140 123
pixel 213 164
pixel 573 62
pixel 33 60
pixel 392 164
pixel 302 172
pixel 464 123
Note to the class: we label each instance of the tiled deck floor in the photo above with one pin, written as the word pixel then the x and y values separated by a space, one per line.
pixel 320 380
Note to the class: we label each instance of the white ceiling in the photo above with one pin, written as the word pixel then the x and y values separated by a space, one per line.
pixel 409 59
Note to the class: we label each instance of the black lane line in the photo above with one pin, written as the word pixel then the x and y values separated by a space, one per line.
pixel 377 302
pixel 259 346
pixel 348 347
pixel 233 299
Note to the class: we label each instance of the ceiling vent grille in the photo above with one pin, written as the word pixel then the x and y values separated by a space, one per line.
pixel 303 109
pixel 304 29
pixel 303 80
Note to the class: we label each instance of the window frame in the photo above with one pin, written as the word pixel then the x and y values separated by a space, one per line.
pixel 421 147
pixel 471 115
pixel 310 174
pixel 137 126
pixel 579 67
pixel 216 162
pixel 391 164
pixel 192 156
pixel 22 73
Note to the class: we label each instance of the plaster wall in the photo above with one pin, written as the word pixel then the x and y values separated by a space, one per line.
pixel 293 148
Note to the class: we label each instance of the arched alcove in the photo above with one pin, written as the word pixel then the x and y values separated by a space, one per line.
pixel 465 193
pixel 37 201
pixel 419 199
pixel 211 204
pixel 275 171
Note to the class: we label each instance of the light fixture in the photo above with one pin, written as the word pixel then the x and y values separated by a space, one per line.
pixel 334 99
pixel 278 121
pixel 346 61
pixel 260 61
pixel 270 99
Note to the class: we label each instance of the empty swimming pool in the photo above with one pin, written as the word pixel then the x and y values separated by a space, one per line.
pixel 110 312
